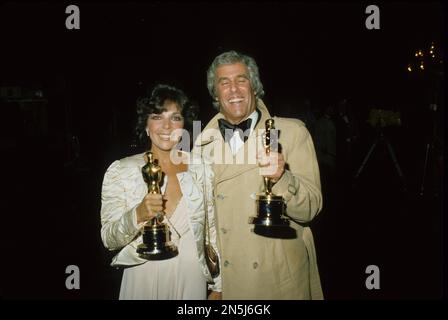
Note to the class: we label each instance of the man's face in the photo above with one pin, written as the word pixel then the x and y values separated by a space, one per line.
pixel 234 92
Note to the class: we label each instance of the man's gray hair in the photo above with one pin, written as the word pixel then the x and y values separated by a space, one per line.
pixel 231 57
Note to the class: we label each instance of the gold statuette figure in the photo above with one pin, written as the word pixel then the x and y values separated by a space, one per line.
pixel 156 234
pixel 270 207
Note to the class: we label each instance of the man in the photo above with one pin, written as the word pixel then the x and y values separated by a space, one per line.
pixel 254 266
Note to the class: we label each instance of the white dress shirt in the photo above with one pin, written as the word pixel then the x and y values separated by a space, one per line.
pixel 236 142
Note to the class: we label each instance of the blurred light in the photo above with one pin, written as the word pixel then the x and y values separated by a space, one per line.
pixel 433 56
pixel 422 67
pixel 409 68
pixel 431 52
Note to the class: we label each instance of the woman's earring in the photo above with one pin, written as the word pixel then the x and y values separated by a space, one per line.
pixel 147 132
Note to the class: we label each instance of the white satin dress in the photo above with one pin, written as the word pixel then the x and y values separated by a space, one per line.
pixel 178 278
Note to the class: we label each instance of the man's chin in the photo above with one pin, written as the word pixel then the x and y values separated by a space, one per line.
pixel 236 116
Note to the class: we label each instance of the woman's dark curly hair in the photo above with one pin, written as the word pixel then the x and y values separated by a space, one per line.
pixel 153 101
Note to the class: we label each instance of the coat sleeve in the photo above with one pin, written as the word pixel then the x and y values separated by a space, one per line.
pixel 118 222
pixel 300 183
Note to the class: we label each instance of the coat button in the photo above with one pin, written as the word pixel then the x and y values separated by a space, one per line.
pixel 292 189
pixel 220 196
pixel 226 263
pixel 255 265
pixel 223 230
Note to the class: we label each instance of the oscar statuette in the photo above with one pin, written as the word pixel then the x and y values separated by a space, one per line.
pixel 270 220
pixel 157 243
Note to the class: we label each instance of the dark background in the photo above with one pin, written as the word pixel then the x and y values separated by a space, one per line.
pixel 55 149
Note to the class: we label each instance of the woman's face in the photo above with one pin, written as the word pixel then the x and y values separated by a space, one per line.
pixel 164 129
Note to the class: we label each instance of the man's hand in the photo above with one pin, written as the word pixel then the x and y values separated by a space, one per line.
pixel 272 166
pixel 215 295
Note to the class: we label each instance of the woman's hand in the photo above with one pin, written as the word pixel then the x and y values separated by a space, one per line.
pixel 148 208
pixel 215 295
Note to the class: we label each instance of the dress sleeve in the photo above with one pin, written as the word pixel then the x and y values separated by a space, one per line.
pixel 118 222
pixel 216 286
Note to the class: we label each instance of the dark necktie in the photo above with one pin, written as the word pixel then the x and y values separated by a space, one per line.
pixel 227 129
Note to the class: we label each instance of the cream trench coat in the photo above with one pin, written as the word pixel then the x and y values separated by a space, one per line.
pixel 253 266
pixel 123 190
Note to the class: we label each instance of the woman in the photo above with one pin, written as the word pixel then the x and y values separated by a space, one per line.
pixel 126 206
